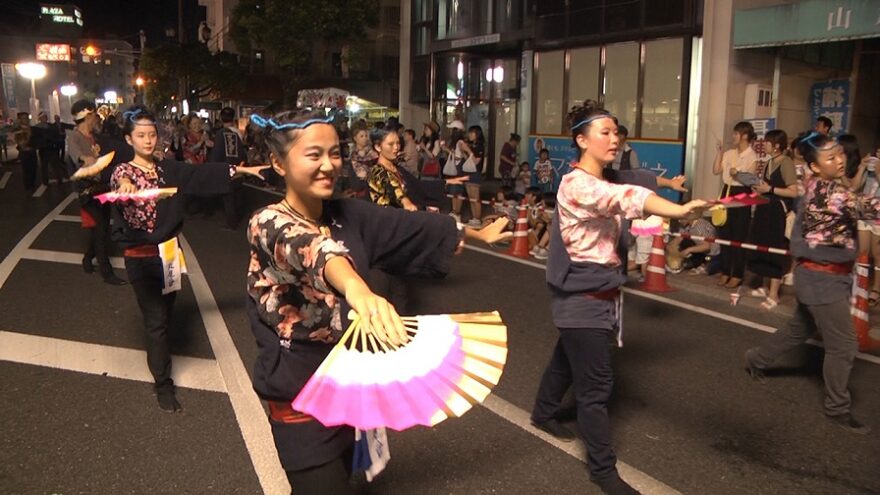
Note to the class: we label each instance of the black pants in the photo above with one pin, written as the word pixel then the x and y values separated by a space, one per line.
pixel 49 160
pixel 327 479
pixel 733 260
pixel 146 277
pixel 582 359
pixel 232 204
pixel 97 239
pixel 28 160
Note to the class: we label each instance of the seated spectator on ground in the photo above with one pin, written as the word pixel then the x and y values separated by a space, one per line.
pixel 542 239
pixel 693 254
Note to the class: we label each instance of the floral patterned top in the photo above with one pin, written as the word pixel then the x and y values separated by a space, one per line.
pixel 140 215
pixel 831 211
pixel 590 211
pixel 286 275
pixel 363 161
pixel 386 187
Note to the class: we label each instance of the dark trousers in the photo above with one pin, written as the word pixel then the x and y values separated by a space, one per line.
pixel 582 359
pixel 49 160
pixel 146 277
pixel 97 239
pixel 28 161
pixel 839 338
pixel 733 260
pixel 232 204
pixel 326 479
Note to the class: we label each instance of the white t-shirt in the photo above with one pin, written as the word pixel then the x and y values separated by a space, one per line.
pixel 747 161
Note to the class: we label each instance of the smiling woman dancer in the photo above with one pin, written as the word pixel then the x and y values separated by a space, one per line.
pixel 143 228
pixel 309 257
pixel 584 276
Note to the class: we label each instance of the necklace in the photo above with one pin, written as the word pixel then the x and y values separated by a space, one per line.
pixel 315 223
pixel 149 170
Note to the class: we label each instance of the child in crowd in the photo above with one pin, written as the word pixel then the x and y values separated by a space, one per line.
pixel 523 179
pixel 544 171
pixel 545 217
pixel 693 254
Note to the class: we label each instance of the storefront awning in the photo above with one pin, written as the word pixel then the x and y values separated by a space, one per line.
pixel 808 21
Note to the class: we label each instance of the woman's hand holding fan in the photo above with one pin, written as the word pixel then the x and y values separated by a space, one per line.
pixel 378 318
pixel 94 168
pixel 255 171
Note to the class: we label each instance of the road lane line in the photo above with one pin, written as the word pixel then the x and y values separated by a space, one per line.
pixel 518 417
pixel 5 179
pixel 248 409
pixel 95 359
pixel 40 190
pixel 672 302
pixel 8 264
pixel 63 257
pixel 68 218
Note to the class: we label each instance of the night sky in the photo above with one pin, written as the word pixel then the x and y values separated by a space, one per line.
pixel 108 18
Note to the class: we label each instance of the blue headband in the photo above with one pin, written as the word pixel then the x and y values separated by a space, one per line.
pixel 131 115
pixel 813 135
pixel 271 124
pixel 592 118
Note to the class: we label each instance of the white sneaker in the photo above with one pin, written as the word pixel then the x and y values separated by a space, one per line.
pixel 456 216
pixel 788 279
pixel 541 254
pixel 475 223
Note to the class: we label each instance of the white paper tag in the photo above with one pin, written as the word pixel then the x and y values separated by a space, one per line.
pixel 377 445
pixel 173 265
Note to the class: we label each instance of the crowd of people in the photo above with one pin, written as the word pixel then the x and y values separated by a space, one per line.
pixel 308 269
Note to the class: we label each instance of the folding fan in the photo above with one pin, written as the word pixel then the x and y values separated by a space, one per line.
pixel 94 169
pixel 653 225
pixel 450 363
pixel 142 195
pixel 739 200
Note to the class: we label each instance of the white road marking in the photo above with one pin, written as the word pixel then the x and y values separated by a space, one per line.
pixel 5 179
pixel 62 257
pixel 518 417
pixel 94 359
pixel 8 264
pixel 68 218
pixel 683 305
pixel 40 190
pixel 248 409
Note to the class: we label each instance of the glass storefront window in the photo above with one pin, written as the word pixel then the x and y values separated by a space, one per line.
pixel 662 90
pixel 463 18
pixel 548 102
pixel 479 79
pixel 508 15
pixel 622 81
pixel 449 80
pixel 583 75
pixel 422 10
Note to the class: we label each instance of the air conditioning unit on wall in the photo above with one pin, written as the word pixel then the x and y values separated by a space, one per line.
pixel 758 101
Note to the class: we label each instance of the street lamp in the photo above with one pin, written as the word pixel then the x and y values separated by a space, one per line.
pixel 32 71
pixel 110 96
pixel 69 90
pixel 139 81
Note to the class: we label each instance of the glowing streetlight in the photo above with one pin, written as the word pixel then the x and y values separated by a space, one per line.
pixel 110 96
pixel 32 71
pixel 69 90
pixel 139 81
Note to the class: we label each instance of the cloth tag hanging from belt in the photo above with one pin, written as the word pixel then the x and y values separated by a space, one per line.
pixel 618 315
pixel 173 265
pixel 371 453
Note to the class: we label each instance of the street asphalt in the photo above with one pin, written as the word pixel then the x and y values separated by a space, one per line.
pixel 684 411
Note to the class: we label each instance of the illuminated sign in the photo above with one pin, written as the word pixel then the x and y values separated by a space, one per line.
pixel 51 52
pixel 62 14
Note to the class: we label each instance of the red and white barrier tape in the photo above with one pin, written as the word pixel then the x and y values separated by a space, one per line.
pixel 736 244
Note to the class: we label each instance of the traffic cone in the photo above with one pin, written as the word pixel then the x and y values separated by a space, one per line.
pixel 861 319
pixel 519 246
pixel 655 279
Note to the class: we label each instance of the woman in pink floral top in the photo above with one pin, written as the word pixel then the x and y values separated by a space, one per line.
pixel 584 274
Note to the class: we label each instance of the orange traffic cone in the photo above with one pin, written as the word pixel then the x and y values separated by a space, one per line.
pixel 861 320
pixel 519 246
pixel 655 279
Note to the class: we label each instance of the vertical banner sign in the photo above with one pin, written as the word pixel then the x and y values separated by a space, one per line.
pixel 8 72
pixel 664 158
pixel 831 99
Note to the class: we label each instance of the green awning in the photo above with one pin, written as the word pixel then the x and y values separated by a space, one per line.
pixel 808 21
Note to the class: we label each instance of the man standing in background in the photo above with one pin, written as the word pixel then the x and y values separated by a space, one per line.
pixel 229 148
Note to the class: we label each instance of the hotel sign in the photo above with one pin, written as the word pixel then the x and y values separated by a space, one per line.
pixel 477 40
pixel 62 14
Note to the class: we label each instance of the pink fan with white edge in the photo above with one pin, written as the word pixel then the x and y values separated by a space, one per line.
pixel 139 196
pixel 739 201
pixel 653 225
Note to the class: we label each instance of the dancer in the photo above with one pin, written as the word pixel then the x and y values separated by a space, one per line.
pixel 309 257
pixel 82 151
pixel 145 228
pixel 584 274
pixel 824 244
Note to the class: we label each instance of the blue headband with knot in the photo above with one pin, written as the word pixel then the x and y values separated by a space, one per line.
pixel 131 115
pixel 592 118
pixel 813 135
pixel 271 124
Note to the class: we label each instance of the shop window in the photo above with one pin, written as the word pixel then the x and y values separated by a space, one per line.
pixel 422 40
pixel 505 73
pixel 622 81
pixel 622 15
pixel 459 18
pixel 584 19
pixel 420 81
pixel 480 73
pixel 550 17
pixel 661 110
pixel 508 15
pixel 583 76
pixel 449 80
pixel 422 10
pixel 548 111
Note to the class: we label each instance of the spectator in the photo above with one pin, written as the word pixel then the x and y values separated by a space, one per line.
pixel 523 179
pixel 196 141
pixel 694 254
pixel 229 148
pixel 455 156
pixel 410 152
pixel 429 150
pixel 474 148
pixel 626 158
pixel 507 159
pixel 544 171
pixel 779 185
pixel 25 141
pixel 823 125
pixel 728 164
pixel 545 216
